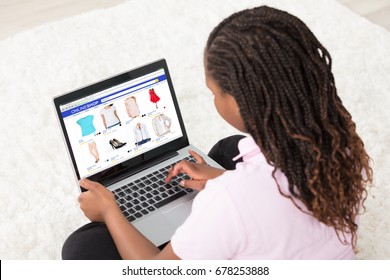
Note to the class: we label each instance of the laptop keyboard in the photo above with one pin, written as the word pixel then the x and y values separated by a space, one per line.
pixel 147 194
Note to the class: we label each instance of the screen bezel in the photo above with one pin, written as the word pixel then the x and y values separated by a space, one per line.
pixel 108 175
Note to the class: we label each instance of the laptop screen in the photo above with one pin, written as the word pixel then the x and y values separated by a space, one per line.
pixel 120 122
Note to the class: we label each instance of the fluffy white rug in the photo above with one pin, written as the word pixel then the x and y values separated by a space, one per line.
pixel 37 189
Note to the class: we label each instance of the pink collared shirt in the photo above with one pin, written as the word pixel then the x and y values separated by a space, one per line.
pixel 242 215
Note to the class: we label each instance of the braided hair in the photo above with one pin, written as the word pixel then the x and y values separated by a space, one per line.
pixel 280 76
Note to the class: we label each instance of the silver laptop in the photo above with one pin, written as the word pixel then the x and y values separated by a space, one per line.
pixel 126 132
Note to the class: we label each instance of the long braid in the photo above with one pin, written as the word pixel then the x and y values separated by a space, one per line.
pixel 281 78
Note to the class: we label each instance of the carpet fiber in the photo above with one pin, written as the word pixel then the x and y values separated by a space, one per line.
pixel 38 194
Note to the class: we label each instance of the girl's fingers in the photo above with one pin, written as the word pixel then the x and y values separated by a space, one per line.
pixel 183 167
pixel 197 185
pixel 197 157
pixel 87 184
pixel 178 168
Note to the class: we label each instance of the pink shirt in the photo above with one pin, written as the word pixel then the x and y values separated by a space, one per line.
pixel 242 215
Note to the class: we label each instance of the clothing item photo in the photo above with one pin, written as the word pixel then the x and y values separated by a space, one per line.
pixel 132 108
pixel 161 125
pixel 93 150
pixel 141 134
pixel 86 124
pixel 153 97
pixel 109 116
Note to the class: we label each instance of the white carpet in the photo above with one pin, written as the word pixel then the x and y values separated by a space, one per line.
pixel 37 189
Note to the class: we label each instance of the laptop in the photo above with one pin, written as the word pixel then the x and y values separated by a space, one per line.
pixel 125 132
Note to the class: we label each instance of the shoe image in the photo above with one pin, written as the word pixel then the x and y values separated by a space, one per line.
pixel 119 142
pixel 115 144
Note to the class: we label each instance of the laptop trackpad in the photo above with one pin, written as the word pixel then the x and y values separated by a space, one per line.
pixel 160 227
pixel 179 214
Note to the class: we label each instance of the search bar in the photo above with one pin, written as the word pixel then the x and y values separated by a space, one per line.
pixel 131 90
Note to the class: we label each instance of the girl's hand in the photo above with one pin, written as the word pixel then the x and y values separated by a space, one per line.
pixel 97 202
pixel 199 172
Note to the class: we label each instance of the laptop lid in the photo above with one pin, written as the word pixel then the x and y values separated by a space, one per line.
pixel 119 125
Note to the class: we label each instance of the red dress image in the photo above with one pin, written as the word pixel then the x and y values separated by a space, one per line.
pixel 153 97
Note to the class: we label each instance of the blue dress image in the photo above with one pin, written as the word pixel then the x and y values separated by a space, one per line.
pixel 86 125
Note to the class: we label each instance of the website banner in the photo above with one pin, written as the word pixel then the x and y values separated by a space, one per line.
pixel 112 96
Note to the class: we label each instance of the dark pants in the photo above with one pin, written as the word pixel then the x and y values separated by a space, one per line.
pixel 94 242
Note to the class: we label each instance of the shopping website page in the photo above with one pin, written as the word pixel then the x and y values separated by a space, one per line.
pixel 120 123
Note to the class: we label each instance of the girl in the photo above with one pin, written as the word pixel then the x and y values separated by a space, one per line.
pixel 301 175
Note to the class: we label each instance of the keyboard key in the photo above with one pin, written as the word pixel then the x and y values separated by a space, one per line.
pixel 169 199
pixel 174 183
pixel 137 182
pixel 123 208
pixel 164 195
pixel 142 198
pixel 151 201
pixel 141 185
pixel 188 190
pixel 136 201
pixel 158 198
pixel 121 194
pixel 151 208
pixel 147 182
pixel 153 179
pixel 148 195
pixel 131 218
pixel 148 189
pixel 141 191
pixel 129 205
pixel 144 204
pixel 144 211
pixel 137 207
pixel 121 201
pixel 138 215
